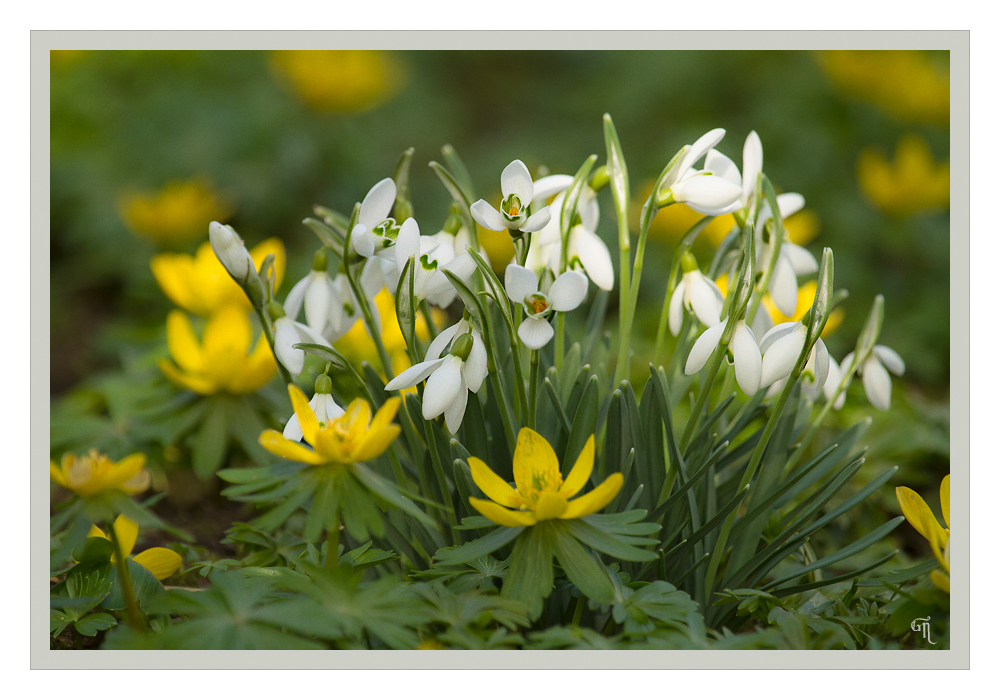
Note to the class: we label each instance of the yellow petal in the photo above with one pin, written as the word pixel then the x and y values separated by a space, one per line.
pixel 580 472
pixel 126 531
pixel 532 456
pixel 384 415
pixel 225 343
pixel 96 532
pixel 375 443
pixel 492 485
pixel 275 443
pixel 550 505
pixel 160 561
pixel 941 580
pixel 191 382
pixel 257 370
pixel 277 248
pixel 593 501
pixel 946 499
pixel 130 466
pixel 503 516
pixel 305 414
pixel 173 272
pixel 183 344
pixel 918 514
pixel 56 474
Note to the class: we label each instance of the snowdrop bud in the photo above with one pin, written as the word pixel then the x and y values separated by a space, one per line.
pixel 323 385
pixel 462 346
pixel 232 253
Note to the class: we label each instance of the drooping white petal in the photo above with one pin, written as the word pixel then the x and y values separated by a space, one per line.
pixel 703 348
pixel 377 203
pixel 746 359
pixel 594 256
pixel 891 359
pixel 326 408
pixel 784 286
pixel 820 359
pixel 790 203
pixel 676 310
pixel 442 387
pixel 519 282
pixel 833 379
pixel 363 241
pixel 293 302
pixel 753 162
pixel 475 369
pixel 411 376
pixel 587 208
pixel 487 216
pixel 438 345
pixel 455 411
pixel 707 193
pixel 515 179
pixel 801 259
pixel 877 383
pixel 568 291
pixel 372 280
pixel 317 301
pixel 775 333
pixel 292 431
pixel 549 186
pixel 762 322
pixel 335 313
pixel 722 166
pixel 535 332
pixel 780 356
pixel 776 388
pixel 705 302
pixel 846 362
pixel 708 140
pixel 407 243
pixel 537 221
pixel 285 336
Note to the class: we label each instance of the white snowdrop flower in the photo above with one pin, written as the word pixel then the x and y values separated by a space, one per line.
pixel 701 190
pixel 566 293
pixel 793 260
pixel 430 259
pixel 781 347
pixel 753 162
pixel 287 333
pixel 322 404
pixel 449 378
pixel 375 231
pixel 697 293
pixel 459 242
pixel 321 296
pixel 875 374
pixel 231 251
pixel 518 192
pixel 833 379
pixel 743 346
pixel 584 248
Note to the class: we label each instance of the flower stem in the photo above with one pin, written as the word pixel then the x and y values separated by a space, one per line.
pixel 366 311
pixel 286 378
pixel 560 339
pixel 131 608
pixel 533 389
pixel 621 368
pixel 333 542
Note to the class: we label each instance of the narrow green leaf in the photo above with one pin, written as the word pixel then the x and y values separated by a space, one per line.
pixel 212 440
pixel 580 567
pixel 469 551
pixel 390 493
pixel 615 546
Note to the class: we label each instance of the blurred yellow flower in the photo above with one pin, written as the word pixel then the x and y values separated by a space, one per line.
pixel 220 362
pixel 672 222
pixel 910 85
pixel 919 515
pixel 94 473
pixel 340 81
pixel 541 492
pixel 914 182
pixel 498 246
pixel 802 226
pixel 178 213
pixel 354 437
pixel 201 285
pixel 159 561
pixel 807 295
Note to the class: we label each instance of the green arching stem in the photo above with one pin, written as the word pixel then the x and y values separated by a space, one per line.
pixel 131 608
pixel 648 212
pixel 624 261
pixel 533 389
pixel 560 339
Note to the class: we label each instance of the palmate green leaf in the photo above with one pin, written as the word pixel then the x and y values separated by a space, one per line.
pixel 529 577
pixel 586 573
pixel 576 638
pixel 613 544
pixel 469 551
pixel 657 604
pixel 90 625
pixel 145 588
pixel 85 586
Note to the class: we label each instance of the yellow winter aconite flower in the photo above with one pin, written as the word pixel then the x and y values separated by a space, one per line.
pixel 912 183
pixel 908 84
pixel 919 515
pixel 354 437
pixel 541 492
pixel 201 285
pixel 340 81
pixel 222 361
pixel 176 214
pixel 94 473
pixel 159 561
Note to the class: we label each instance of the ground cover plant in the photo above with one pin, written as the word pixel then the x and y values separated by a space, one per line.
pixel 417 444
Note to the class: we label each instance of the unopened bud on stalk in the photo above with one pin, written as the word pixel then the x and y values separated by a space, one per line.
pixel 323 385
pixel 235 257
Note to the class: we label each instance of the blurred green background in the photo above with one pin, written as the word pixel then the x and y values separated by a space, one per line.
pixel 148 147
